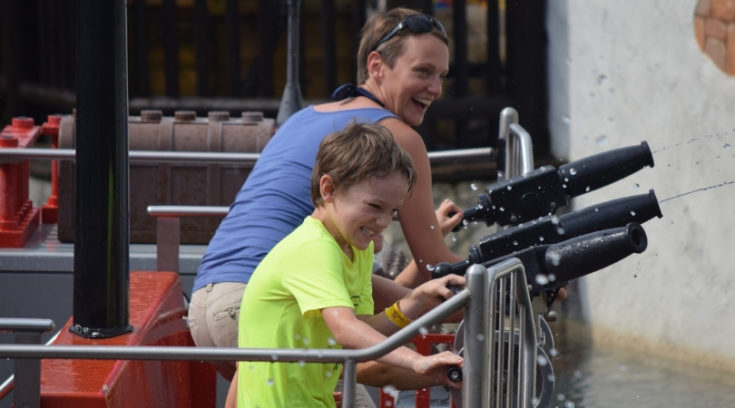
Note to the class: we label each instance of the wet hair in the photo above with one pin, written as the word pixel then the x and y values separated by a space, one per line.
pixel 359 152
pixel 377 26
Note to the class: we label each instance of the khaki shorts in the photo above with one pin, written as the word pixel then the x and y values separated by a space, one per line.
pixel 213 314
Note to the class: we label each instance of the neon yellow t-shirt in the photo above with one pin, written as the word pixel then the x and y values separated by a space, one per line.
pixel 281 308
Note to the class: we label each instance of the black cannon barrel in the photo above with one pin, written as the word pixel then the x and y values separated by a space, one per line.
pixel 551 266
pixel 551 229
pixel 588 253
pixel 593 172
pixel 542 191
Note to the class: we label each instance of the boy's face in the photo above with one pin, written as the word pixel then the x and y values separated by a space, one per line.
pixel 358 214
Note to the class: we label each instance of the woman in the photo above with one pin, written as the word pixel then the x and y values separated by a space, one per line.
pixel 403 58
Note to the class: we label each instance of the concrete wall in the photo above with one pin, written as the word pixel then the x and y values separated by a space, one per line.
pixel 622 72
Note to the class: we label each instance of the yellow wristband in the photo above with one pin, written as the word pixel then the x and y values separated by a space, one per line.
pixel 394 314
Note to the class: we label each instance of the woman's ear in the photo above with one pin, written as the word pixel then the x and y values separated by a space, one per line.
pixel 327 188
pixel 374 64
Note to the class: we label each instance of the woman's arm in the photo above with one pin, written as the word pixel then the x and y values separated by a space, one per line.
pixel 417 216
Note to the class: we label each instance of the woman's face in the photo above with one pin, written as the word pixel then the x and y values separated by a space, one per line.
pixel 415 81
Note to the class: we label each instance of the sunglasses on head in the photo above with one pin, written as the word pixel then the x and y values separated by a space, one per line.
pixel 415 23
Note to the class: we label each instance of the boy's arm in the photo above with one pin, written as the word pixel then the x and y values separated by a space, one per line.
pixel 353 333
pixel 379 375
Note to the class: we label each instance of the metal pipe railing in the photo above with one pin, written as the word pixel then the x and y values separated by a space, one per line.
pixel 182 353
pixel 243 159
pixel 484 331
pixel 27 377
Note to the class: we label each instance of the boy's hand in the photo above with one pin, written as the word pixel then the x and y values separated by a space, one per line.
pixel 437 366
pixel 447 221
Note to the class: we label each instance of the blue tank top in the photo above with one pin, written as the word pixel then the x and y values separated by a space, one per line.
pixel 275 197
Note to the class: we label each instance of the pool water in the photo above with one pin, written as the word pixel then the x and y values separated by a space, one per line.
pixel 606 377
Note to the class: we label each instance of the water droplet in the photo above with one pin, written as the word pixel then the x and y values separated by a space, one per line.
pixel 554 219
pixel 302 363
pixel 541 238
pixel 569 404
pixel 541 279
pixel 587 189
pixel 332 342
pixel 554 258
pixel 542 361
pixel 328 374
pixel 423 331
pixel 635 276
pixel 515 243
pixel 502 209
pixel 274 357
pixel 270 382
pixel 623 368
pixel 432 226
pixel 509 187
pixel 454 239
pixel 636 186
pixel 572 171
pixel 560 231
pixel 632 213
pixel 473 186
pixel 566 119
pixel 601 79
pixel 601 140
pixel 561 397
pixel 391 390
pixel 480 337
pixel 726 146
pixel 553 352
pixel 552 277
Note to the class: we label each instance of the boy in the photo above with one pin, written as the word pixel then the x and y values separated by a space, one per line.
pixel 313 290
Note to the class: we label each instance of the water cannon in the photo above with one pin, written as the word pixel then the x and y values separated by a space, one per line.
pixel 542 191
pixel 552 229
pixel 549 267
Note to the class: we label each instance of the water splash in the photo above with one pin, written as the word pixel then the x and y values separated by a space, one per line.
pixel 698 190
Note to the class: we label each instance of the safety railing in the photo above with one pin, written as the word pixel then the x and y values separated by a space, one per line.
pixel 27 378
pixel 479 374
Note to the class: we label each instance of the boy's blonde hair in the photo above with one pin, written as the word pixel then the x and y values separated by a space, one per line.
pixel 356 153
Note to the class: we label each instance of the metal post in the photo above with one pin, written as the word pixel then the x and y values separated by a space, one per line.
pixel 477 339
pixel 101 252
pixel 27 377
pixel 291 101
pixel 349 378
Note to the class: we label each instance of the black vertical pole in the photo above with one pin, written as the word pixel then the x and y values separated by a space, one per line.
pixel 291 101
pixel 460 74
pixel 101 257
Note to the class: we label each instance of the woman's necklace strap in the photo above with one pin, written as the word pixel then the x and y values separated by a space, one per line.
pixel 351 90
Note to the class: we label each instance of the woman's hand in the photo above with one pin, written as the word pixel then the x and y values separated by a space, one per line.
pixel 447 221
pixel 428 295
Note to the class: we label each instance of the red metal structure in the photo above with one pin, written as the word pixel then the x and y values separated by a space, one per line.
pixel 18 218
pixel 157 316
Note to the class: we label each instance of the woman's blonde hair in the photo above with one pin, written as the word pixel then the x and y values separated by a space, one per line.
pixel 377 26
